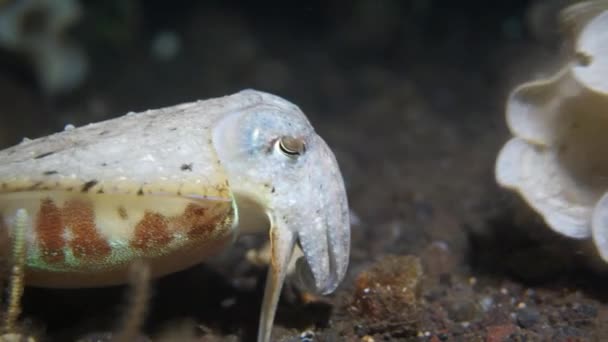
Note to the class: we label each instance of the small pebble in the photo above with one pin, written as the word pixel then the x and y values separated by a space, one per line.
pixel 307 336
pixel 527 317
pixel 486 303
pixel 443 336
pixel 589 311
pixel 499 333
pixel 462 309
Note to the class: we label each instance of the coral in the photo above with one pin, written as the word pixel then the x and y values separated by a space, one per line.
pixel 386 297
pixel 557 158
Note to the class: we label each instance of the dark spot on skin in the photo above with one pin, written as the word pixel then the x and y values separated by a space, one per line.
pixel 35 186
pixel 104 132
pixel 88 185
pixel 173 129
pixel 583 59
pixel 272 190
pixel 140 192
pixel 48 173
pixel 100 191
pixel 40 156
pixel 220 188
pixel 186 167
pixel 122 213
pixel 104 164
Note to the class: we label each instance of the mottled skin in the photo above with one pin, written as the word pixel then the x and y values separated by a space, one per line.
pixel 175 185
pixel 82 240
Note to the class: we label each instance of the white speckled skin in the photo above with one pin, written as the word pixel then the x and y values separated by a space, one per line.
pixel 229 146
pixel 136 151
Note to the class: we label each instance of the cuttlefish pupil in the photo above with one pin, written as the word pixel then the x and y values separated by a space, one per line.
pixel 292 146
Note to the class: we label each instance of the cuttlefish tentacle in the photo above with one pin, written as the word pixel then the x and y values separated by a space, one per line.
pixel 282 242
pixel 17 271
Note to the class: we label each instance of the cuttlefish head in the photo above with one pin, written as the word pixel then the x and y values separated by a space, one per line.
pixel 278 166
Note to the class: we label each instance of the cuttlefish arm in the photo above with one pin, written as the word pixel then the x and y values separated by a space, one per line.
pixel 276 161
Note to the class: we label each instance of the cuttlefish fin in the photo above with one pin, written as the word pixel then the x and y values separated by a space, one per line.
pixel 282 242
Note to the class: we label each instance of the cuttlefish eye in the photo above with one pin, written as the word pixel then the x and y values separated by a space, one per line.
pixel 291 147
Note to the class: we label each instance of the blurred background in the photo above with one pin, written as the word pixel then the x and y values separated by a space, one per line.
pixel 410 96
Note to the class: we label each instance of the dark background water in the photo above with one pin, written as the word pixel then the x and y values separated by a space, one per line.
pixel 409 95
